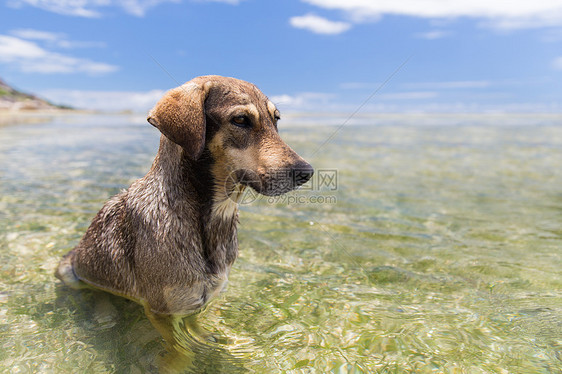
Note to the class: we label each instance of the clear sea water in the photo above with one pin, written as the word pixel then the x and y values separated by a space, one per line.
pixel 424 244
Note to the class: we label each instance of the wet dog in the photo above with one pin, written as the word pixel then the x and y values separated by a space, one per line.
pixel 169 241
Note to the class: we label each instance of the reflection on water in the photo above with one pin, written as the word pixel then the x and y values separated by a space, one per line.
pixel 440 252
pixel 191 348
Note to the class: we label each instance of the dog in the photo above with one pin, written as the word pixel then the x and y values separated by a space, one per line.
pixel 168 241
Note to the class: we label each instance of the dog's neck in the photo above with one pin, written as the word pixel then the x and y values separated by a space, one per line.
pixel 193 182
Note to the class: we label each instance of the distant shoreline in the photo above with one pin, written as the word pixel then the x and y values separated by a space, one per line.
pixel 10 117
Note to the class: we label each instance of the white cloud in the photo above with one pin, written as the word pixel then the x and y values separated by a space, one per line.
pixel 304 101
pixel 499 14
pixel 447 85
pixel 32 34
pixel 286 99
pixel 81 8
pixel 419 86
pixel 54 39
pixel 29 57
pixel 557 63
pixel 337 108
pixel 231 2
pixel 94 8
pixel 360 85
pixel 319 25
pixel 432 35
pixel 111 101
pixel 410 95
pixel 13 49
pixel 139 7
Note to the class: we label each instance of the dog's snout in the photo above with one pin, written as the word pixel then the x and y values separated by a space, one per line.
pixel 302 172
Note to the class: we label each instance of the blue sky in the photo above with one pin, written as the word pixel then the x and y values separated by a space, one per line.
pixel 307 55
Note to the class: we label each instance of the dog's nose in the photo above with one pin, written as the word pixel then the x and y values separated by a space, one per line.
pixel 302 172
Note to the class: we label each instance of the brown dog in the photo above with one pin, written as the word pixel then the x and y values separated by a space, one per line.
pixel 168 242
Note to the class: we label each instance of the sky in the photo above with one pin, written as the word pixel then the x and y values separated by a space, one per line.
pixel 306 55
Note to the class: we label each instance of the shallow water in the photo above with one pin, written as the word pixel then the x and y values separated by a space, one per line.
pixel 433 248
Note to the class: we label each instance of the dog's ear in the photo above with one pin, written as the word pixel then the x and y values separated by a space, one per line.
pixel 180 116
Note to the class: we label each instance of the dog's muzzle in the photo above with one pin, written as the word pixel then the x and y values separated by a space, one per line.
pixel 278 181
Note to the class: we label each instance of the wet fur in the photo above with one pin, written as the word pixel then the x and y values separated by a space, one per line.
pixel 169 240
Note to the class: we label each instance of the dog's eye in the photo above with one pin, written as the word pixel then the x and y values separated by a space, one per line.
pixel 241 121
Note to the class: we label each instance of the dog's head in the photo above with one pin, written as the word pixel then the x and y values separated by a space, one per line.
pixel 237 124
